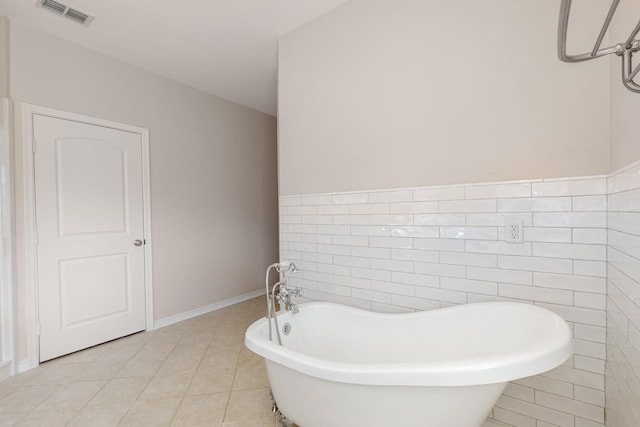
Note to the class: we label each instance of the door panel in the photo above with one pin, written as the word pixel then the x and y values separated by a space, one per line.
pixel 93 288
pixel 91 177
pixel 89 212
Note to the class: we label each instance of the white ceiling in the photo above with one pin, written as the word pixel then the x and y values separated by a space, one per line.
pixel 224 47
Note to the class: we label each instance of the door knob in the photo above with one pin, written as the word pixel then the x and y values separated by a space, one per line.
pixel 137 242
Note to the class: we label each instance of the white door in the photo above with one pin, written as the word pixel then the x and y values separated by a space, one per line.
pixel 89 224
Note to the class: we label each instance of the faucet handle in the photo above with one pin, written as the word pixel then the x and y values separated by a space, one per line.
pixel 296 292
pixel 282 297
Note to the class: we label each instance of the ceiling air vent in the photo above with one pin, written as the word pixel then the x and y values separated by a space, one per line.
pixel 66 11
pixel 53 6
pixel 77 16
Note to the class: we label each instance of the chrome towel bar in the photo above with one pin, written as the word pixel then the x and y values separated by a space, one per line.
pixel 625 50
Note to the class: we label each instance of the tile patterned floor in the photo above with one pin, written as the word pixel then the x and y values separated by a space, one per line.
pixel 191 374
pixel 194 373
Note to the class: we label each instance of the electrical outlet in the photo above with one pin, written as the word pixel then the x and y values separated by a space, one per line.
pixel 514 232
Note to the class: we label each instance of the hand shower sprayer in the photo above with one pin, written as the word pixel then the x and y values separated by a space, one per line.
pixel 284 295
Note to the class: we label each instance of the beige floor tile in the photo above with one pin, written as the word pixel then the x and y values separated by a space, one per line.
pixel 178 366
pixel 206 383
pixel 217 347
pixel 139 367
pixel 119 352
pixel 58 373
pixel 11 420
pixel 233 332
pixel 22 379
pixel 48 418
pixel 97 370
pixel 156 350
pixel 87 355
pixel 6 389
pixel 73 395
pixel 26 398
pixel 491 423
pixel 214 362
pixel 138 338
pixel 229 346
pixel 120 390
pixel 148 360
pixel 181 374
pixel 204 410
pixel 100 416
pixel 182 362
pixel 207 325
pixel 235 325
pixel 190 348
pixel 151 413
pixel 262 422
pixel 248 405
pixel 164 387
pixel 197 337
pixel 251 375
pixel 169 334
pixel 228 342
pixel 248 356
pixel 225 344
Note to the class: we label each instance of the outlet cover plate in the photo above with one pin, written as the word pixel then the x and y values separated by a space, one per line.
pixel 514 232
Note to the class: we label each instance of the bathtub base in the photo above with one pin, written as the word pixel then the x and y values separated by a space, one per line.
pixel 314 402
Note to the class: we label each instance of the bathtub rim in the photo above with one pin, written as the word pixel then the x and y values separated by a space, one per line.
pixel 472 371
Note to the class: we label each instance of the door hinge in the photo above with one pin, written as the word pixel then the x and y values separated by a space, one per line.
pixel 33 145
pixel 38 329
pixel 37 238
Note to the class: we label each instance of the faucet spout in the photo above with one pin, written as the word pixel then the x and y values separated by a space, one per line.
pixel 284 297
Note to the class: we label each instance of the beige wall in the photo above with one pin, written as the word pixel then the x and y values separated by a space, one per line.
pixel 213 166
pixel 625 105
pixel 4 57
pixel 387 94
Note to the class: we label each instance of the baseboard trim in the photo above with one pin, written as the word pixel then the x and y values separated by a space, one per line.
pixel 160 323
pixel 24 366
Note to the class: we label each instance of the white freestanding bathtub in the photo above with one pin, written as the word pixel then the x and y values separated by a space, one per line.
pixel 344 367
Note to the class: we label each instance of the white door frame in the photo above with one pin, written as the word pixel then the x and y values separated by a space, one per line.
pixel 7 258
pixel 30 257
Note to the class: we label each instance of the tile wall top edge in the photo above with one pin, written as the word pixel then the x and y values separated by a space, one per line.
pixel 625 169
pixel 576 178
pixel 448 186
pixel 391 190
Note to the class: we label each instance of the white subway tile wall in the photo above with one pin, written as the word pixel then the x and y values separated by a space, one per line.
pixel 426 248
pixel 623 299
